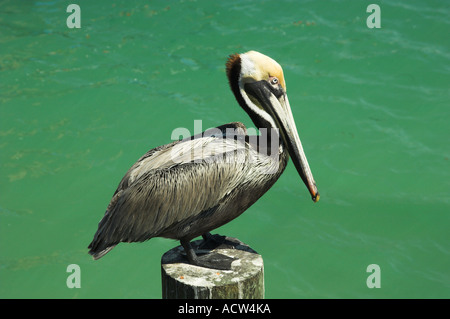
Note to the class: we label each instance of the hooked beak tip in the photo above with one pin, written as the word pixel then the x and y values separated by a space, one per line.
pixel 316 197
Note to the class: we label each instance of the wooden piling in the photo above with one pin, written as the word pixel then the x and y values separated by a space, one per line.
pixel 245 280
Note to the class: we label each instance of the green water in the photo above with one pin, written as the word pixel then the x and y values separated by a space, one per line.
pixel 79 106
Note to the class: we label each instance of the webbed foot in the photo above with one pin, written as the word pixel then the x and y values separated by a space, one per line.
pixel 208 259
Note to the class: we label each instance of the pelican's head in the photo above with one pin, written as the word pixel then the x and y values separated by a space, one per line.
pixel 257 82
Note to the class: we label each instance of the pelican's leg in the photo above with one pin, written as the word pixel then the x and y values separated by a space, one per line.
pixel 190 253
pixel 210 260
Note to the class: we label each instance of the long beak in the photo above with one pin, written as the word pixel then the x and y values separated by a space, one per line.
pixel 280 110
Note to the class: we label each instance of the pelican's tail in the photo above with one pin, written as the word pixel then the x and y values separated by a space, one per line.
pixel 97 254
pixel 99 247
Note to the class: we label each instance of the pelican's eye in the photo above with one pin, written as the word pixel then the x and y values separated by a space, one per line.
pixel 275 86
pixel 273 80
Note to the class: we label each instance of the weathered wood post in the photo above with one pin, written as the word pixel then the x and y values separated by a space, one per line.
pixel 245 280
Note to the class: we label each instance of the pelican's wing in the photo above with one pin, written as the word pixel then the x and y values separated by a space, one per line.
pixel 171 184
pixel 192 149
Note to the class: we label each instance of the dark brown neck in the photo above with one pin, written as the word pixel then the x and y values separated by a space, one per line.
pixel 267 141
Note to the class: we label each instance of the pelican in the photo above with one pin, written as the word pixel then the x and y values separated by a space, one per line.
pixel 189 187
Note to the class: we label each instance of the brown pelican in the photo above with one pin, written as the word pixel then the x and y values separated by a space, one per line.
pixel 189 187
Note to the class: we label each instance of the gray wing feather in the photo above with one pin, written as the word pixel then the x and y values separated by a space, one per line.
pixel 171 184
